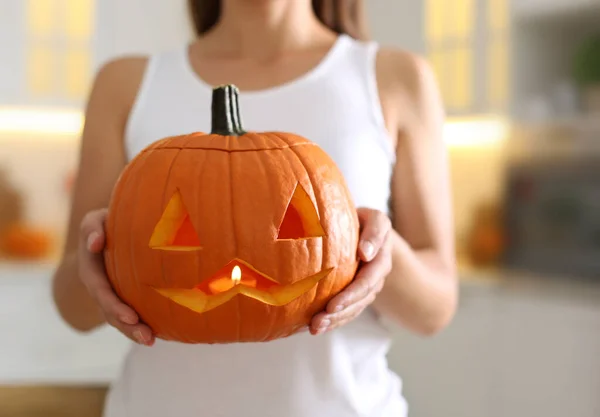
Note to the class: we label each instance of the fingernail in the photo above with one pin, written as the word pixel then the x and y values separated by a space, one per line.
pixel 324 324
pixel 127 319
pixel 139 337
pixel 367 248
pixel 91 239
pixel 339 308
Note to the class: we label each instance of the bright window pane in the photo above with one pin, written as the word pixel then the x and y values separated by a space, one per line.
pixel 42 17
pixel 462 59
pixel 40 65
pixel 498 14
pixel 76 73
pixel 78 19
pixel 435 19
pixel 498 75
pixel 461 17
pixel 439 64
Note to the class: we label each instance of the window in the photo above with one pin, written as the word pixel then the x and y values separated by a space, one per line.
pixel 450 32
pixel 498 53
pixel 468 46
pixel 59 52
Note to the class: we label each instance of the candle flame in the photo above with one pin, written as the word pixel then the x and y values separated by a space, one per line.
pixel 236 275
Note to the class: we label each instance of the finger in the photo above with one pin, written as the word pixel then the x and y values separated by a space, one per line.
pixel 93 276
pixel 375 228
pixel 139 333
pixel 369 278
pixel 304 329
pixel 92 230
pixel 115 308
pixel 325 322
pixel 95 242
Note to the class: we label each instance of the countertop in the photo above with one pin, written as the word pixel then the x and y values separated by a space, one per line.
pixel 37 347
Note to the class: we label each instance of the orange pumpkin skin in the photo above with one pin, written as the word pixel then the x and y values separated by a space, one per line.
pixel 236 189
pixel 26 242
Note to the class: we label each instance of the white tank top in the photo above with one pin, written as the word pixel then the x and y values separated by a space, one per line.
pixel 343 373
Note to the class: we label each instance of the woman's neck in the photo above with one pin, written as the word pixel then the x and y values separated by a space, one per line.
pixel 263 29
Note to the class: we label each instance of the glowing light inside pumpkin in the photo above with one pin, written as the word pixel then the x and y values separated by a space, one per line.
pixel 300 220
pixel 175 231
pixel 236 275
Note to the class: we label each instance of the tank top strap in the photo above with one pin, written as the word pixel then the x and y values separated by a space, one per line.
pixel 358 61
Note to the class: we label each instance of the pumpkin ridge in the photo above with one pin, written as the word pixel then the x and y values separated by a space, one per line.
pixel 319 204
pixel 130 182
pixel 265 160
pixel 201 167
pixel 234 226
pixel 165 200
pixel 289 139
pixel 229 150
pixel 124 178
pixel 295 170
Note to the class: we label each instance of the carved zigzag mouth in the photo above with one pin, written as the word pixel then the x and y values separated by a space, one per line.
pixel 239 277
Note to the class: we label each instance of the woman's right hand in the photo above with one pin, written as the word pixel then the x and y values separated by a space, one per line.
pixel 93 275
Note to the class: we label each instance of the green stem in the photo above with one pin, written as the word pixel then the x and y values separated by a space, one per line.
pixel 226 119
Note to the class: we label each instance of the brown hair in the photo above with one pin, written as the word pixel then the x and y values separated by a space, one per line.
pixel 341 16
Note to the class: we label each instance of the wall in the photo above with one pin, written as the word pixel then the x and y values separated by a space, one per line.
pixel 397 23
pixel 140 27
pixel 10 38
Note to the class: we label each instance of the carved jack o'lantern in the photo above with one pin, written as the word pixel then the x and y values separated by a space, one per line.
pixel 230 236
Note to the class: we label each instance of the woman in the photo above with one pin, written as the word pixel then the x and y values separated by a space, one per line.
pixel 300 67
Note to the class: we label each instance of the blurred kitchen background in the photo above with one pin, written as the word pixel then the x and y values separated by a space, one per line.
pixel 521 82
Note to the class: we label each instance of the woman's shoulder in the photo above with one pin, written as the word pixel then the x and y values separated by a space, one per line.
pixel 117 82
pixel 121 73
pixel 408 87
pixel 403 72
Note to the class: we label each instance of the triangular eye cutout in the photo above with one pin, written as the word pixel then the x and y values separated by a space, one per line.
pixel 300 220
pixel 174 231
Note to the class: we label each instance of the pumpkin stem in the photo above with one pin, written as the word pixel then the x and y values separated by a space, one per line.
pixel 226 119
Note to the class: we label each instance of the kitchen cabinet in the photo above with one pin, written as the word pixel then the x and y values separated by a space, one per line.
pixel 516 348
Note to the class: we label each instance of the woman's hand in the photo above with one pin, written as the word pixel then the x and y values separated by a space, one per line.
pixel 93 276
pixel 374 250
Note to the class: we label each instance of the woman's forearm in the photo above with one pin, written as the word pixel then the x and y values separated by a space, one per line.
pixel 421 292
pixel 72 299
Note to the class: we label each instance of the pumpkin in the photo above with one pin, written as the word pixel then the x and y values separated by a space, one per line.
pixel 487 240
pixel 230 236
pixel 22 241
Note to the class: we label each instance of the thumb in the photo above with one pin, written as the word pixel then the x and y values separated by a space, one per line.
pixel 92 230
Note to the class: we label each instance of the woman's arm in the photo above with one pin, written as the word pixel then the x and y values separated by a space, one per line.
pixel 408 270
pixel 421 290
pixel 102 158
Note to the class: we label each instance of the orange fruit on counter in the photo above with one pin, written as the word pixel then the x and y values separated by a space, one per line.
pixel 25 242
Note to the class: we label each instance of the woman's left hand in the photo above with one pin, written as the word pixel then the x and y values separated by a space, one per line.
pixel 374 250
